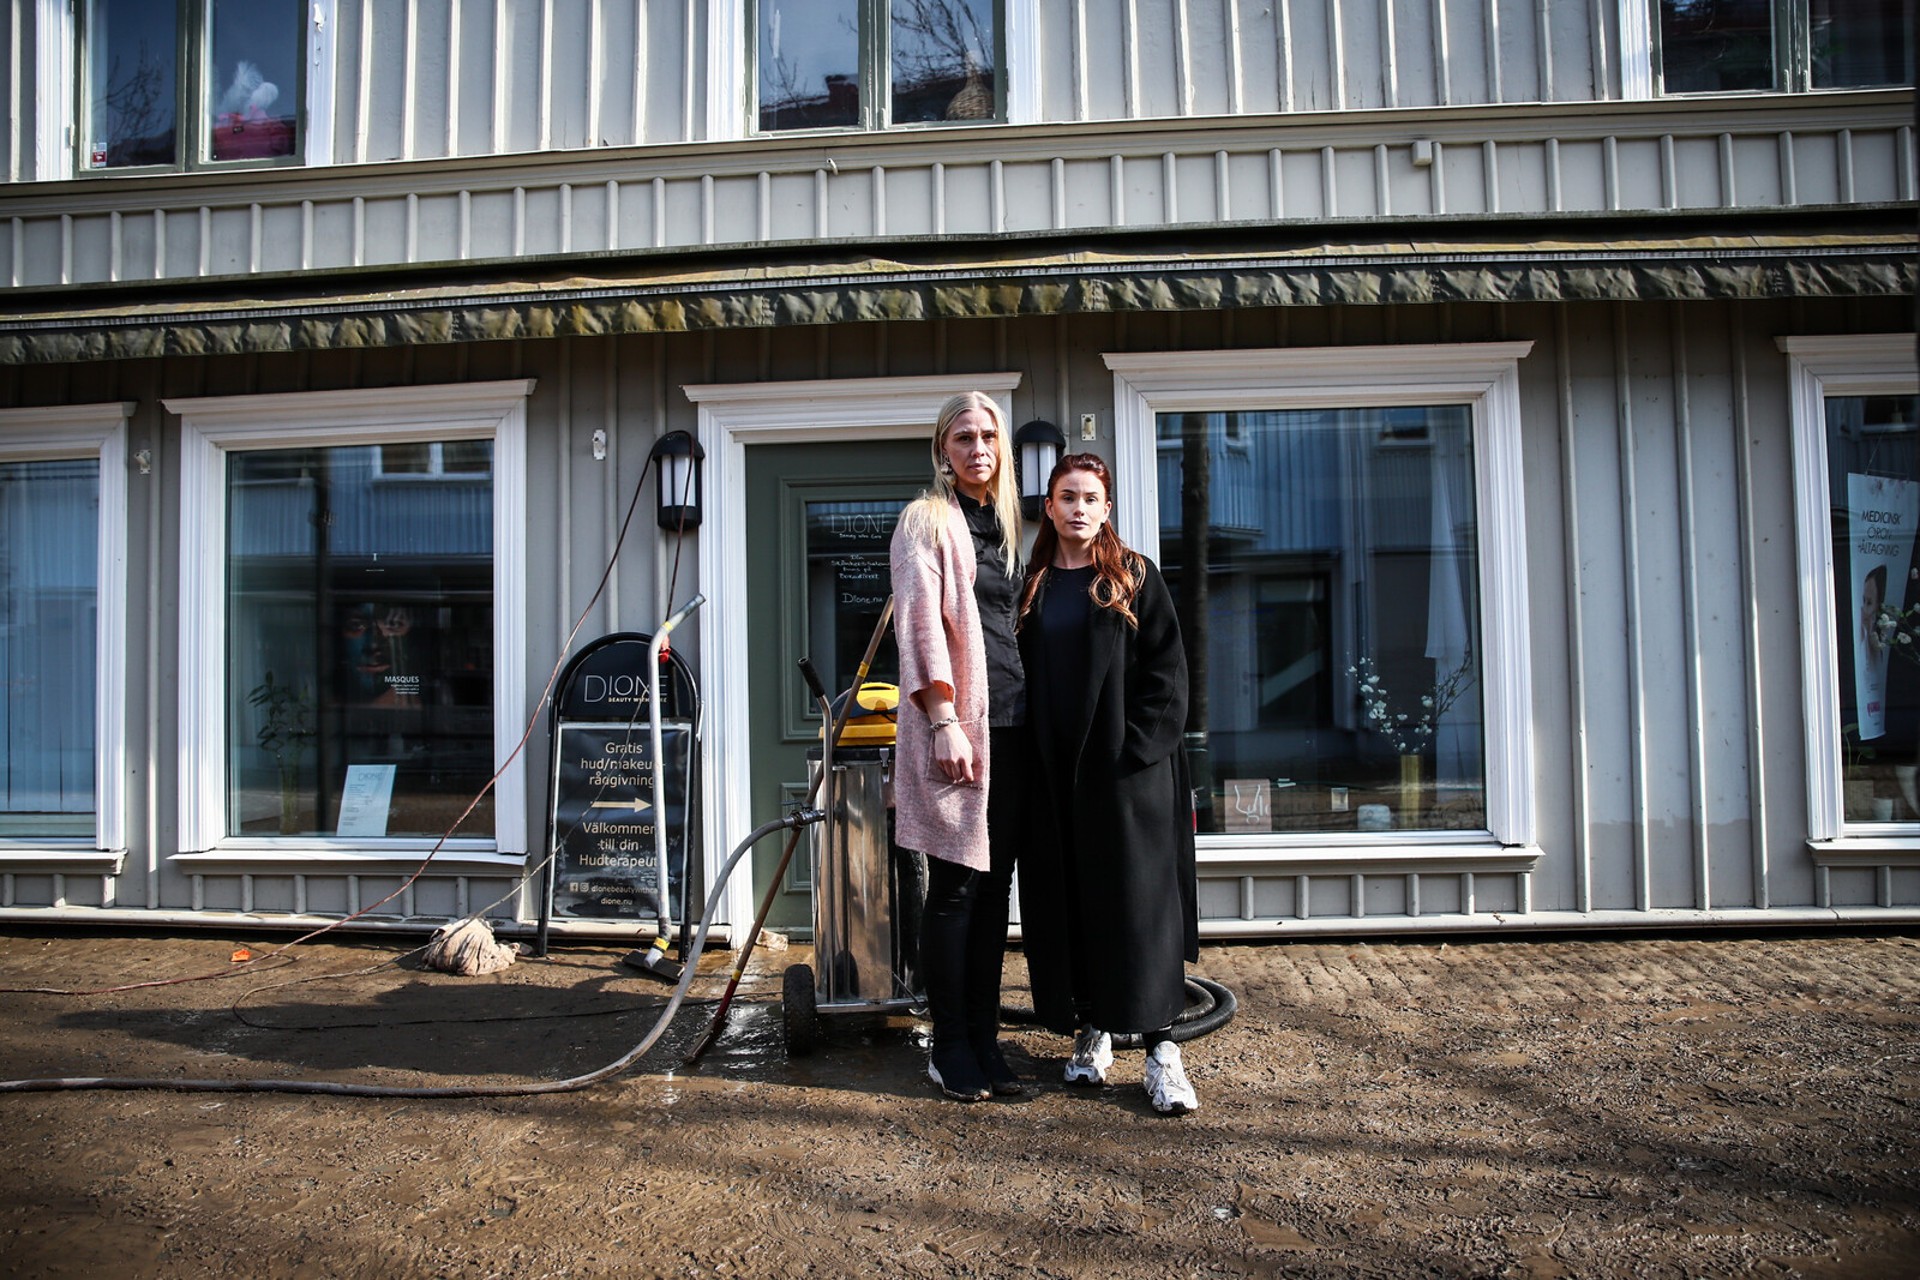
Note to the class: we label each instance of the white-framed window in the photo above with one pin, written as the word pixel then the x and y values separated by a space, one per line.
pixel 787 66
pixel 1731 46
pixel 1854 401
pixel 1352 597
pixel 162 85
pixel 352 650
pixel 63 586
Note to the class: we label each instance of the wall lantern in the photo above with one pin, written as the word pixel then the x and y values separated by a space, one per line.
pixel 676 460
pixel 1039 444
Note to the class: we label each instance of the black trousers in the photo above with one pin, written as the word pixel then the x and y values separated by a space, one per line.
pixel 963 935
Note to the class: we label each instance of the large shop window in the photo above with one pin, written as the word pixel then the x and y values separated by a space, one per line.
pixel 352 659
pixel 192 83
pixel 875 64
pixel 1719 46
pixel 1857 465
pixel 62 628
pixel 1341 531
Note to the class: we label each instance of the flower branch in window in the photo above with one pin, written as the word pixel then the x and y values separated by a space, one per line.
pixel 1897 629
pixel 1410 732
pixel 285 734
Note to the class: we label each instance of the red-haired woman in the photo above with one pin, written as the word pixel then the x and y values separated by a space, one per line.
pixel 1107 872
pixel 959 769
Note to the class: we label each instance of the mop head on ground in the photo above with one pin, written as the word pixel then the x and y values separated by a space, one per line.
pixel 468 949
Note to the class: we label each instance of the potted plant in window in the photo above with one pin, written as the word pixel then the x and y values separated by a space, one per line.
pixel 285 734
pixel 1410 732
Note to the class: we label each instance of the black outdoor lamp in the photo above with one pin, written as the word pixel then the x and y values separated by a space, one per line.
pixel 676 460
pixel 1039 443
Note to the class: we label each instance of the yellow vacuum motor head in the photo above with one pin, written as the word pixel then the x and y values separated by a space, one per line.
pixel 871 723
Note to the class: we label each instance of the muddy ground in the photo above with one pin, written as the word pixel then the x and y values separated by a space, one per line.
pixel 1578 1107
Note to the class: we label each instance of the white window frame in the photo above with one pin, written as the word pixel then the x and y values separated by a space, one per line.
pixel 213 427
pixel 56 53
pixel 1818 367
pixel 731 111
pixel 88 431
pixel 1485 377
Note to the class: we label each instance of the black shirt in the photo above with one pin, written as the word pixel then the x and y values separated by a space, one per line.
pixel 997 595
pixel 1064 614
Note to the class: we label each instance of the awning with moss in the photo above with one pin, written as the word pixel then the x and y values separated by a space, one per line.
pixel 747 288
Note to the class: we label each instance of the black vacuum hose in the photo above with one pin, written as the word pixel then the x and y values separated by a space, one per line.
pixel 1210 1007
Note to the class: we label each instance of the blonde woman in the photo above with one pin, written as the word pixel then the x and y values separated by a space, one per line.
pixel 961 754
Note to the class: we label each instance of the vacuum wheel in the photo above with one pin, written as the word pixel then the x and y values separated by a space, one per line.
pixel 802 1013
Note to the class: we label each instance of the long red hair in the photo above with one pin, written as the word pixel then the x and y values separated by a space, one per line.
pixel 1117 571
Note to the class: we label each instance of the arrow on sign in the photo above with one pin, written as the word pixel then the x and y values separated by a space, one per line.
pixel 636 805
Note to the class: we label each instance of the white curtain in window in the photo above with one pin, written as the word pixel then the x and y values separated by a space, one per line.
pixel 1450 578
pixel 49 532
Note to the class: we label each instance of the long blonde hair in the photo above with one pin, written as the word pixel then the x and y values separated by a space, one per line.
pixel 926 516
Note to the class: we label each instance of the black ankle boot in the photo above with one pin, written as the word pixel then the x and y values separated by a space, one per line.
pixel 1001 1077
pixel 952 1066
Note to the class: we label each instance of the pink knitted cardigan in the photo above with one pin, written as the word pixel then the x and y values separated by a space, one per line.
pixel 938 628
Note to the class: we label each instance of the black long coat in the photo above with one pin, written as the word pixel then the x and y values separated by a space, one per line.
pixel 1110 867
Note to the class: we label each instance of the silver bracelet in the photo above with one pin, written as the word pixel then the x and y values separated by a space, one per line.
pixel 934 726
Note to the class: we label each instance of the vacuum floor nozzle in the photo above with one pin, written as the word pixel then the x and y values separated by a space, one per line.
pixel 653 961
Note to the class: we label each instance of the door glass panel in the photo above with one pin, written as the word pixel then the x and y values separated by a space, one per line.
pixel 133 62
pixel 1325 565
pixel 49 545
pixel 848 582
pixel 809 64
pixel 360 646
pixel 253 79
pixel 1873 460
pixel 943 60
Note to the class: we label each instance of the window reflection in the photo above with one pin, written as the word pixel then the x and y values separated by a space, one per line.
pixel 49 543
pixel 133 51
pixel 809 64
pixel 360 618
pixel 1873 453
pixel 1324 563
pixel 253 80
pixel 842 64
pixel 943 61
pixel 1861 43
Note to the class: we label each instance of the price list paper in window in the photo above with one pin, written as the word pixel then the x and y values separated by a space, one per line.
pixel 366 801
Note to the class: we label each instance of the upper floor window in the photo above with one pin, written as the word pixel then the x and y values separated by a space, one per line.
pixel 1719 46
pixel 188 83
pixel 872 64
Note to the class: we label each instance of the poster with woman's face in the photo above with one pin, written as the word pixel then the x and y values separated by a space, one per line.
pixel 1881 512
pixel 379 664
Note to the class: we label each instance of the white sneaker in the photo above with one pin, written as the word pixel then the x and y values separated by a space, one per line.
pixel 1167 1083
pixel 1092 1055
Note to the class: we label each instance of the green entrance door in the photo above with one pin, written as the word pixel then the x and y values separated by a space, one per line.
pixel 820 518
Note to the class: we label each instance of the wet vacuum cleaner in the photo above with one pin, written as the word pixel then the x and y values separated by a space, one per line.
pixel 868 893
